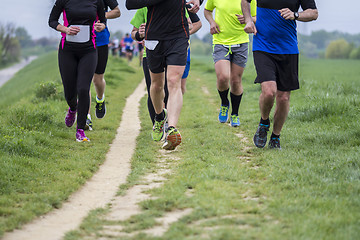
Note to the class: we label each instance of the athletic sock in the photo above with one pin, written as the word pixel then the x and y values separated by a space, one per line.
pixel 100 100
pixel 160 117
pixel 224 97
pixel 275 136
pixel 265 122
pixel 89 116
pixel 235 103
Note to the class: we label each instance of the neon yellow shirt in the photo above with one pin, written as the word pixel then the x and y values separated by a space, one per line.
pixel 231 31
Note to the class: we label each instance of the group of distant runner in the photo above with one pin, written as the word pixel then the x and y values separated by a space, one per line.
pixel 164 27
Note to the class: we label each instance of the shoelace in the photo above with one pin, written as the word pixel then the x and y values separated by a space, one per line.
pixel 100 106
pixel 276 141
pixel 223 111
pixel 159 125
pixel 82 134
pixel 263 129
pixel 234 118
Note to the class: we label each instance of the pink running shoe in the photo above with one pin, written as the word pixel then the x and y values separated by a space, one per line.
pixel 70 118
pixel 81 137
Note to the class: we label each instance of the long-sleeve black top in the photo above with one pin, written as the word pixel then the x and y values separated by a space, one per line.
pixel 166 19
pixel 77 12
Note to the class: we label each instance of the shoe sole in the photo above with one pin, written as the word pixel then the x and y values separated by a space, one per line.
pixel 84 140
pixel 172 141
pixel 225 121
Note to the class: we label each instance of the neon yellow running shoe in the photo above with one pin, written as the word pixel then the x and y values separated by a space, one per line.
pixel 158 131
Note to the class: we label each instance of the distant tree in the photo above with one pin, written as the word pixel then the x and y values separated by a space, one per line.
pixel 338 49
pixel 23 37
pixel 9 45
pixel 355 53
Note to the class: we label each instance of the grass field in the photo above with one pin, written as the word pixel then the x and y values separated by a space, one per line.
pixel 308 190
pixel 40 162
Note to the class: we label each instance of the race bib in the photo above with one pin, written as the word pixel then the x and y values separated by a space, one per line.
pixel 82 36
pixel 151 44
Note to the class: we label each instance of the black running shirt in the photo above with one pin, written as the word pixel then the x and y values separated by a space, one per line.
pixel 166 19
pixel 77 12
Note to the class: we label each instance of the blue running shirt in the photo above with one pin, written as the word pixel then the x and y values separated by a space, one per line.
pixel 275 34
pixel 102 38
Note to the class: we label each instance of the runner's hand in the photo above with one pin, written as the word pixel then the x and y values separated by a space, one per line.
pixel 98 26
pixel 250 28
pixel 72 30
pixel 195 6
pixel 287 14
pixel 214 28
pixel 241 18
pixel 142 30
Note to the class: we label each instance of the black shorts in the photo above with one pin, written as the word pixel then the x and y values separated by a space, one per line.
pixel 281 68
pixel 103 53
pixel 167 52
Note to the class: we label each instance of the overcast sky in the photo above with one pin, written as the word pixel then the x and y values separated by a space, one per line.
pixel 33 15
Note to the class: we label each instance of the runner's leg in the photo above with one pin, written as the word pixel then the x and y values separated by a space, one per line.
pixel 175 101
pixel 281 110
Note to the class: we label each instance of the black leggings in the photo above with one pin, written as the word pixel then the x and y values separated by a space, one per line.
pixel 148 84
pixel 77 69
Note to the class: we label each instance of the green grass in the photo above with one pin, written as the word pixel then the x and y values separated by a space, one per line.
pixel 308 190
pixel 40 162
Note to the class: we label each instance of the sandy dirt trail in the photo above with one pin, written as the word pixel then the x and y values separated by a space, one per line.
pixel 99 190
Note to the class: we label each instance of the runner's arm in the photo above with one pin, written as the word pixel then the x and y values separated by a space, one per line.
pixel 54 19
pixel 196 23
pixel 250 26
pixel 214 27
pixel 307 15
pixel 114 13
pixel 115 10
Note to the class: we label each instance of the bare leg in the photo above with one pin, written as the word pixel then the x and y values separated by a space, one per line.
pixel 222 69
pixel 175 100
pixel 100 84
pixel 267 98
pixel 183 86
pixel 281 110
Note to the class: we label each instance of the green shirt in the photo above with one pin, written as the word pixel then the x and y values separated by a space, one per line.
pixel 231 31
pixel 140 17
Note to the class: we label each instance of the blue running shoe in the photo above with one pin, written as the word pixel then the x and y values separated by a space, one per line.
pixel 224 114
pixel 260 136
pixel 234 120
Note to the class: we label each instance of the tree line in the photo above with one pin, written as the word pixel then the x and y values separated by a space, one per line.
pixel 16 42
pixel 330 45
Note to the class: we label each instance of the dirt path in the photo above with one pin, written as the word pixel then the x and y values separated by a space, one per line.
pixel 7 73
pixel 100 189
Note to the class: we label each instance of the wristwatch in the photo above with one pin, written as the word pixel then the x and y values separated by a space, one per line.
pixel 296 15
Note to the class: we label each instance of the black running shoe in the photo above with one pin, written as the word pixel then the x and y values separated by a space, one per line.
pixel 274 143
pixel 260 136
pixel 100 109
